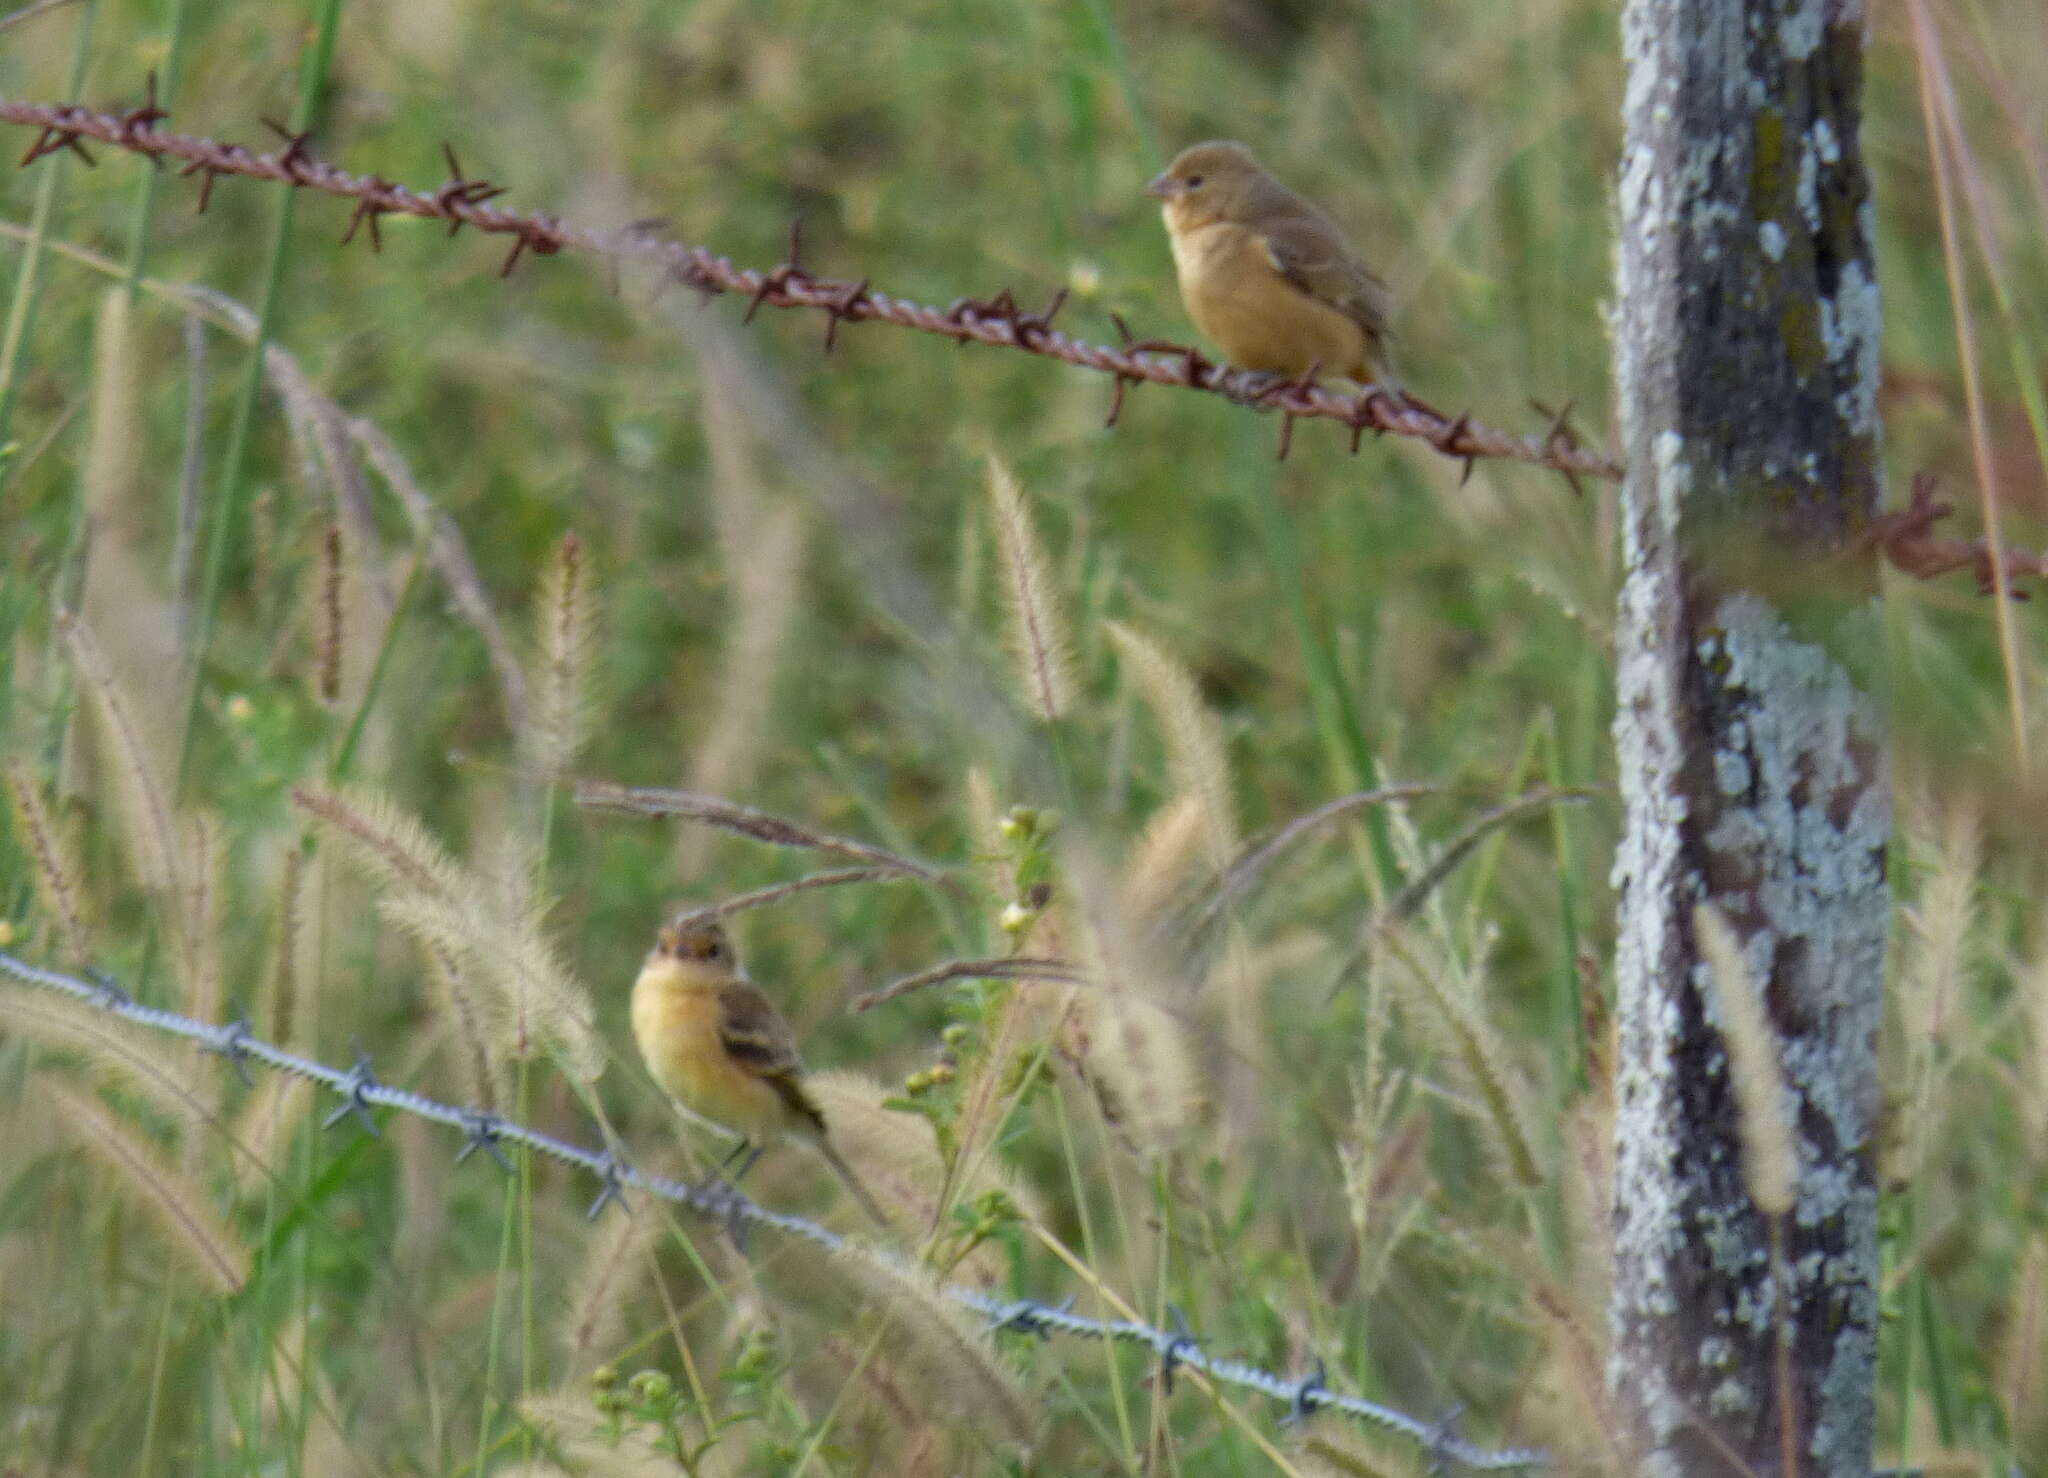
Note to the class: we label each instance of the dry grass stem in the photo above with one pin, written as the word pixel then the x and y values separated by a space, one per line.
pixel 777 831
pixel 2019 1356
pixel 777 892
pixel 1251 864
pixel 1417 890
pixel 205 987
pixel 1016 967
pixel 328 638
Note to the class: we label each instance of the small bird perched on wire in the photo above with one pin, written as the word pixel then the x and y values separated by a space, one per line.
pixel 721 1050
pixel 1265 275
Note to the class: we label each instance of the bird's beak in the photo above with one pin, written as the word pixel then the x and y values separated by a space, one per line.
pixel 1164 186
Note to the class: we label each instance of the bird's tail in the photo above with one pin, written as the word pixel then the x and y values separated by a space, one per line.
pixel 852 1182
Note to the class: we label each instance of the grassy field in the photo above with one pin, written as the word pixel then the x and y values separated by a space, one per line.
pixel 457 538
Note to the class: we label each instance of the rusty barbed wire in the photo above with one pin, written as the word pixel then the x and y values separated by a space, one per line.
pixel 1908 540
pixel 1000 321
pixel 1904 537
pixel 360 1091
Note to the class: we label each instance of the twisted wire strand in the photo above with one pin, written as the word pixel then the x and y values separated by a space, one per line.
pixel 1176 1349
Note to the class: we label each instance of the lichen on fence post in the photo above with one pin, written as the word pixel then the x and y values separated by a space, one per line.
pixel 1748 733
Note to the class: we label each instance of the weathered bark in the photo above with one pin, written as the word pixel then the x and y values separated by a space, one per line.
pixel 1751 763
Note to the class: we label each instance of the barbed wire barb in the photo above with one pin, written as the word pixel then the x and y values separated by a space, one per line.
pixel 1176 1346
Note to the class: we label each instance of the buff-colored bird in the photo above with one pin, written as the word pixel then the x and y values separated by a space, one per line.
pixel 719 1047
pixel 1265 275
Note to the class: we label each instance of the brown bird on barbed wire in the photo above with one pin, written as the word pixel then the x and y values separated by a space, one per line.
pixel 718 1047
pixel 1266 276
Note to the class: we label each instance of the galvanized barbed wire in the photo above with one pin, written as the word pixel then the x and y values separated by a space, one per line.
pixel 999 321
pixel 1176 1348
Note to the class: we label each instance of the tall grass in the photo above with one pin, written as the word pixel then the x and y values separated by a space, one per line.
pixel 1344 1098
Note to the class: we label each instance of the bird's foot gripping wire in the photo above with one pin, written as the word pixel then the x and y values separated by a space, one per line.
pixel 720 1190
pixel 1250 387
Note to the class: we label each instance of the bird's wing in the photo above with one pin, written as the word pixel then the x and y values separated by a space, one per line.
pixel 1309 253
pixel 758 1040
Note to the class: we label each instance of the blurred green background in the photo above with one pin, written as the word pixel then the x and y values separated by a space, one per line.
pixel 798 603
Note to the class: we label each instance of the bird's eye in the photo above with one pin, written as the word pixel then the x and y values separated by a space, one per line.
pixel 1194 182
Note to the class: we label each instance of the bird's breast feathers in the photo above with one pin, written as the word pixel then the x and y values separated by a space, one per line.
pixel 1261 320
pixel 678 1020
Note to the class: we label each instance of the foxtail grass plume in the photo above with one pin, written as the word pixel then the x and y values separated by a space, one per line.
pixel 182 1211
pixel 567 642
pixel 1133 1053
pixel 389 844
pixel 1937 957
pixel 148 828
pixel 944 1354
pixel 1584 1419
pixel 617 1258
pixel 1770 1158
pixel 899 1159
pixel 111 1049
pixel 595 1446
pixel 1038 630
pixel 1195 751
pixel 51 864
pixel 533 1003
pixel 1164 857
pixel 489 931
pixel 2020 1370
pixel 1447 1008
